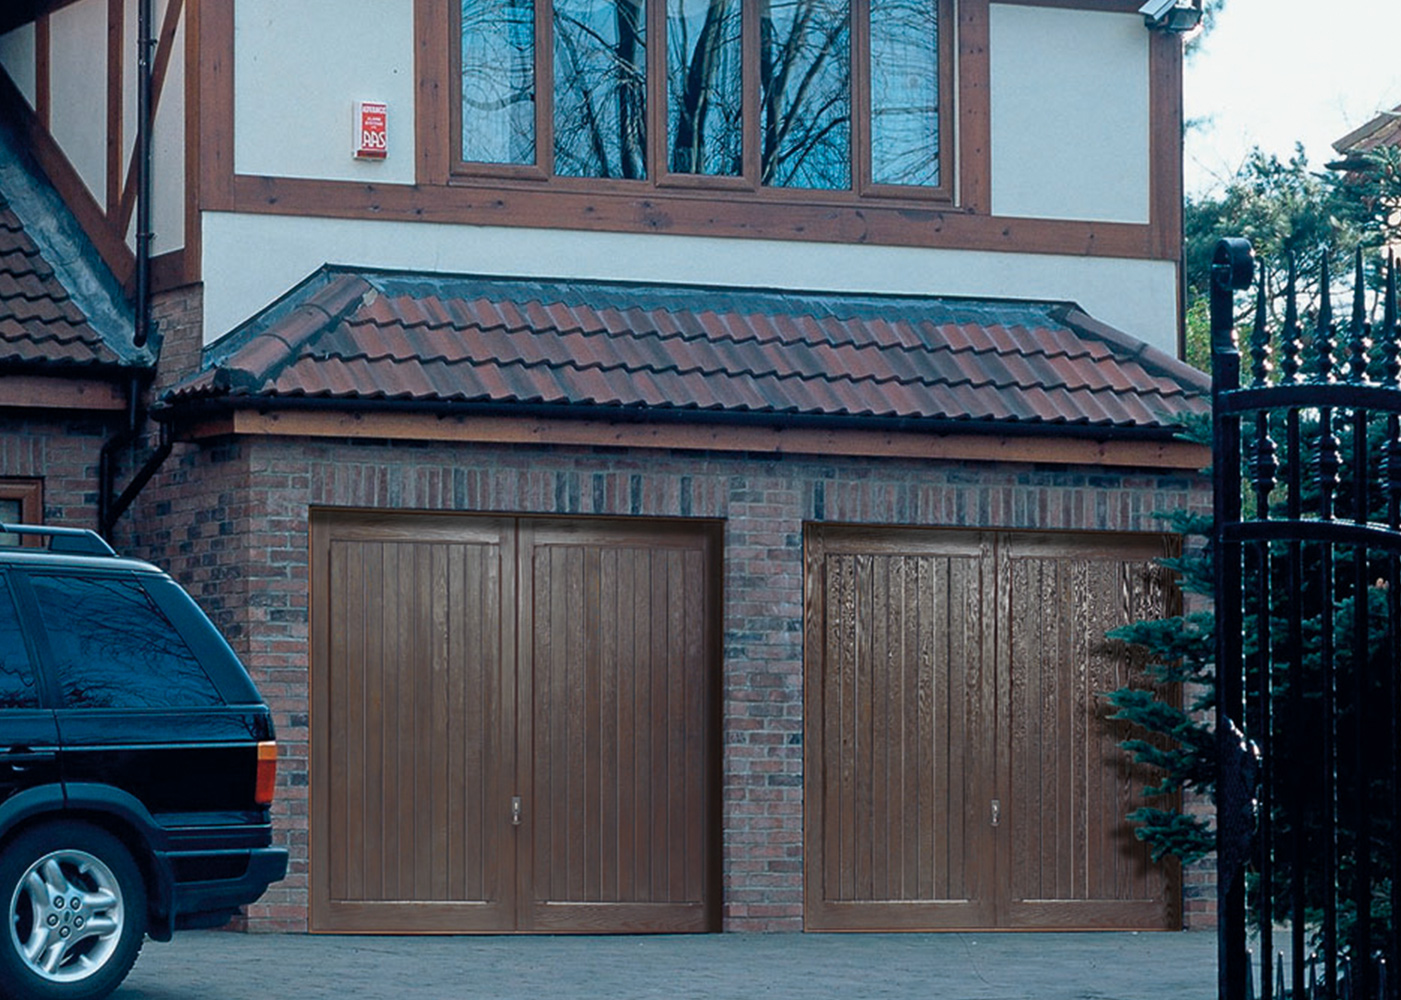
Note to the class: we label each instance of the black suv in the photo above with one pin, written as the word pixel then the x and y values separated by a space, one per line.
pixel 137 766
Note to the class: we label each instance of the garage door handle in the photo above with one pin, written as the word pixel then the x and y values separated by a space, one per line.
pixel 515 810
pixel 996 812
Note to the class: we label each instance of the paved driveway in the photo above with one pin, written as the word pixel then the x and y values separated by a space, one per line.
pixel 212 965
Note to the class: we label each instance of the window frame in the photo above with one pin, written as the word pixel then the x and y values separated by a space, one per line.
pixel 660 180
pixel 30 494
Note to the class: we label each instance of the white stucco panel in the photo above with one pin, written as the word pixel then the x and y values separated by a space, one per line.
pixel 251 260
pixel 1070 114
pixel 300 67
pixel 168 153
pixel 78 90
pixel 168 166
pixel 17 59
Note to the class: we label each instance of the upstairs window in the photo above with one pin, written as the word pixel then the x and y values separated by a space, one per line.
pixel 832 96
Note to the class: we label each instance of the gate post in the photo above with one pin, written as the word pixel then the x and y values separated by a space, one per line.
pixel 1232 270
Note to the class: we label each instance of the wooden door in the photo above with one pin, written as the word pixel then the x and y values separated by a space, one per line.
pixel 412 681
pixel 961 769
pixel 899 713
pixel 1071 859
pixel 619 715
pixel 513 725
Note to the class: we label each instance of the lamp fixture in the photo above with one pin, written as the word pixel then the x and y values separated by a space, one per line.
pixel 1172 15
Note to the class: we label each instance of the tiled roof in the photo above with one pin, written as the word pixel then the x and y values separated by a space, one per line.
pixel 40 323
pixel 1383 130
pixel 360 339
pixel 62 311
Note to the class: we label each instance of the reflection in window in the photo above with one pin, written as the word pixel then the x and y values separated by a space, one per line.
pixel 114 648
pixel 705 114
pixel 600 88
pixel 905 92
pixel 805 93
pixel 17 689
pixel 498 81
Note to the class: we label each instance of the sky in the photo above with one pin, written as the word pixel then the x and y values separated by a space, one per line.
pixel 1276 72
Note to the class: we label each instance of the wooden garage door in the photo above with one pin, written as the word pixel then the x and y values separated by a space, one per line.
pixel 961 771
pixel 513 725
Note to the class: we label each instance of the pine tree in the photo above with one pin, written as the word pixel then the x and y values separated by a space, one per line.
pixel 1177 741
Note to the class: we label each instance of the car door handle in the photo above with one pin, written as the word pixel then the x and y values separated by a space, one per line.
pixel 21 758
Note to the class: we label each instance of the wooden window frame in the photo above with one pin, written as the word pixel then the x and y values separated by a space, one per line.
pixel 966 224
pixel 748 187
pixel 30 494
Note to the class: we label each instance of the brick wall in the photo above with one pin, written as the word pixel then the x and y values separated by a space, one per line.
pixel 230 521
pixel 178 316
pixel 62 451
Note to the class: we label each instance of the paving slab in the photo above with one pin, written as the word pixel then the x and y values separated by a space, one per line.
pixel 215 965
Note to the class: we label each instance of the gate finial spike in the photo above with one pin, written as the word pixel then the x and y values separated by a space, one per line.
pixel 1323 337
pixel 1358 340
pixel 1290 346
pixel 1260 336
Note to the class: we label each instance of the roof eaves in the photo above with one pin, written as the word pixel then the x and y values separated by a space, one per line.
pixel 1349 143
pixel 986 423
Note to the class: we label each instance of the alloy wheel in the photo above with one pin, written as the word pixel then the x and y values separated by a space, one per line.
pixel 66 916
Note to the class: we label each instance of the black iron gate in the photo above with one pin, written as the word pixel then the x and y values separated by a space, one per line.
pixel 1307 546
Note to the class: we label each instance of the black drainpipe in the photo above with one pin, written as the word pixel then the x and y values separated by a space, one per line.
pixel 108 509
pixel 145 43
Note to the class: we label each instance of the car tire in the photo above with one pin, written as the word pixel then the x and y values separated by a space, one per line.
pixel 50 948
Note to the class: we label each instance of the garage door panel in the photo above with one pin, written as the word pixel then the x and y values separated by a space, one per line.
pixel 408 825
pixel 620 657
pixel 897 697
pixel 1071 783
pixel 962 770
pixel 461 663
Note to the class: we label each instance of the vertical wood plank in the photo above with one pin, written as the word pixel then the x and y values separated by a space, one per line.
pixel 610 709
pixel 628 823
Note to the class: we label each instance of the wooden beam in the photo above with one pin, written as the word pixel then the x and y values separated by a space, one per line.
pixel 50 392
pixel 702 437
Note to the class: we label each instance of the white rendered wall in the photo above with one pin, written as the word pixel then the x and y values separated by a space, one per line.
pixel 1070 114
pixel 168 155
pixel 300 66
pixel 251 260
pixel 78 90
pixel 17 58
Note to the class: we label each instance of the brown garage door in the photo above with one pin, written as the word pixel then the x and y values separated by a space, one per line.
pixel 961 772
pixel 513 725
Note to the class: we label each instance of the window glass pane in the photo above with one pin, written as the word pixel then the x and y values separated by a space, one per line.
pixel 600 88
pixel 905 92
pixel 17 688
pixel 114 648
pixel 705 118
pixel 498 81
pixel 10 513
pixel 805 93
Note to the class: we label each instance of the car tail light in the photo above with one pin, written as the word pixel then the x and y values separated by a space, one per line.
pixel 266 781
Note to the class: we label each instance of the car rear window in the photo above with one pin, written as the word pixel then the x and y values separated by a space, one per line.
pixel 17 687
pixel 114 648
